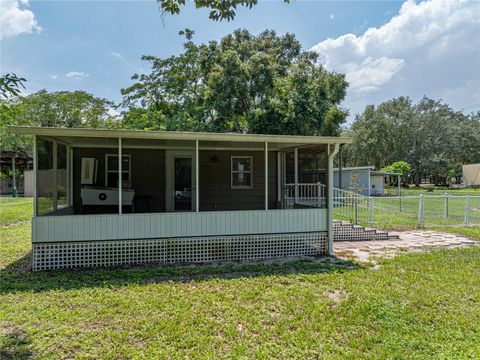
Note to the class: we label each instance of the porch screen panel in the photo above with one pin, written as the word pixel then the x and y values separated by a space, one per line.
pixel 112 171
pixel 61 176
pixel 45 177
pixel 311 167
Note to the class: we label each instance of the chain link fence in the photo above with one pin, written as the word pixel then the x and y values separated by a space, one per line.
pixel 408 211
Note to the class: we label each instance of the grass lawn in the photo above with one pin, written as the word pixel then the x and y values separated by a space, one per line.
pixel 436 190
pixel 415 306
pixel 470 232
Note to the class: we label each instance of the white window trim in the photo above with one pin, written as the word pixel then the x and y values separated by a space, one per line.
pixel 249 172
pixel 123 170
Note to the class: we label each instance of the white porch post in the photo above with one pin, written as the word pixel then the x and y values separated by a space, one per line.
pixel 35 170
pixel 340 168
pixel 279 177
pixel 55 176
pixel 197 178
pixel 266 176
pixel 70 175
pixel 295 165
pixel 120 171
pixel 331 154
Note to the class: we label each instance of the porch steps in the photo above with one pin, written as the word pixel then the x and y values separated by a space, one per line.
pixel 345 231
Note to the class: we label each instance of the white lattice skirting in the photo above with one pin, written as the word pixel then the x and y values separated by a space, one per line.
pixel 65 255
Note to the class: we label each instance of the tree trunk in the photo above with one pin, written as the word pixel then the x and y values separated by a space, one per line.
pixel 418 178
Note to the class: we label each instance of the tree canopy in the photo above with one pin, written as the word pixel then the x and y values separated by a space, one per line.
pixel 429 135
pixel 219 9
pixel 53 109
pixel 243 83
pixel 10 87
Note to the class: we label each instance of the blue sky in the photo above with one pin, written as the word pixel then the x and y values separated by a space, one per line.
pixel 411 48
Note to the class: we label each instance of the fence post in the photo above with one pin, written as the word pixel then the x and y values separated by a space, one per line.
pixel 467 210
pixel 372 209
pixel 445 209
pixel 420 210
pixel 356 209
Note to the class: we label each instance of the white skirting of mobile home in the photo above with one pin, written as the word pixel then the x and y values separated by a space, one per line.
pixel 108 240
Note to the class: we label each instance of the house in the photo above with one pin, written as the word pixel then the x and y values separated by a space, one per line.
pixel 132 196
pixel 471 175
pixel 364 180
pixel 13 164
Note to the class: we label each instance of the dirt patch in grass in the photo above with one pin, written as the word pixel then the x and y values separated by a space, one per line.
pixel 14 342
pixel 337 296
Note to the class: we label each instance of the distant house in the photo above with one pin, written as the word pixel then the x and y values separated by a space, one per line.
pixel 364 180
pixel 109 197
pixel 10 161
pixel 471 175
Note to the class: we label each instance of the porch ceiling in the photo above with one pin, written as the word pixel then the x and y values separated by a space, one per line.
pixel 173 139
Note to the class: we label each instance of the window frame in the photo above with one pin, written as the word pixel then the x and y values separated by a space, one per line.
pixel 129 171
pixel 232 171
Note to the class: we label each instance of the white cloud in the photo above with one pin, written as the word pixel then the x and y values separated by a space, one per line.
pixel 15 19
pixel 117 55
pixel 332 16
pixel 77 74
pixel 431 48
pixel 53 76
pixel 112 112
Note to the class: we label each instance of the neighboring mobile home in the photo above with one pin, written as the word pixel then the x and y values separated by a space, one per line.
pixel 182 197
pixel 471 175
pixel 364 180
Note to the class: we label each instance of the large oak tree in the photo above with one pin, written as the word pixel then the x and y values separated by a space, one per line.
pixel 244 83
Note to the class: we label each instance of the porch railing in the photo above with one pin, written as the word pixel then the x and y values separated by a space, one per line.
pixel 347 204
pixel 309 194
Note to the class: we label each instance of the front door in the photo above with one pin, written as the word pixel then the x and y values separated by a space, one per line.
pixel 180 188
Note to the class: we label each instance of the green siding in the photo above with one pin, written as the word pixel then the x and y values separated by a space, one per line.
pixel 215 179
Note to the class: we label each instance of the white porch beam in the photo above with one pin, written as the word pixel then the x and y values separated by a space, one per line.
pixel 295 165
pixel 331 154
pixel 197 177
pixel 35 170
pixel 266 175
pixel 120 173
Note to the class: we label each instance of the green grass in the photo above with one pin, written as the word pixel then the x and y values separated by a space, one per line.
pixel 470 232
pixel 415 306
pixel 15 210
pixel 437 190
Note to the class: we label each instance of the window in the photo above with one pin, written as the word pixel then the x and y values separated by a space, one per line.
pixel 242 170
pixel 111 170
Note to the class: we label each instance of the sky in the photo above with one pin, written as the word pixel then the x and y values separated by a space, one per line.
pixel 385 48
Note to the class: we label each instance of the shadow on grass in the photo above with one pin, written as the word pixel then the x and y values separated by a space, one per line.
pixel 17 276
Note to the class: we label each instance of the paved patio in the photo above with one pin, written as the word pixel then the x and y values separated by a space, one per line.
pixel 409 241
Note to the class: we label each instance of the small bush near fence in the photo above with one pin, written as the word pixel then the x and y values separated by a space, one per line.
pixel 409 211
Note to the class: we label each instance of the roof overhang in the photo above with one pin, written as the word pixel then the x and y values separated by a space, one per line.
pixel 384 173
pixel 109 137
pixel 357 168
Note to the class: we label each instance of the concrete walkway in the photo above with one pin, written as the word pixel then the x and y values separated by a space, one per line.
pixel 409 241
